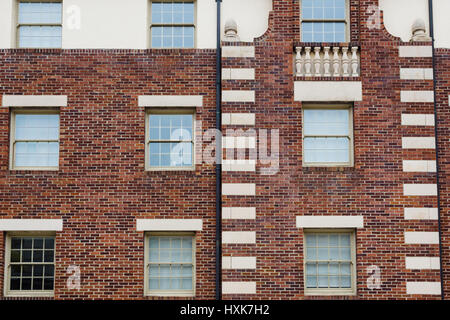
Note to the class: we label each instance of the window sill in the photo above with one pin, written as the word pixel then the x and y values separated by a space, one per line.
pixel 167 295
pixel 328 292
pixel 328 169
pixel 33 169
pixel 30 295
pixel 168 169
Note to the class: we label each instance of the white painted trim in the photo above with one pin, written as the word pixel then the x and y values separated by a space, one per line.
pixel 422 263
pixel 238 52
pixel 417 237
pixel 431 288
pixel 244 119
pixel 421 213
pixel 239 237
pixel 415 51
pixel 418 142
pixel 170 101
pixel 416 73
pixel 239 263
pixel 238 189
pixel 239 287
pixel 324 91
pixel 417 119
pixel 34 101
pixel 238 96
pixel 238 74
pixel 417 96
pixel 420 189
pixel 330 222
pixel 169 225
pixel 419 166
pixel 239 213
pixel 31 224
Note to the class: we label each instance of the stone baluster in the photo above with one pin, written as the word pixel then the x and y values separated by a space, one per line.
pixel 308 62
pixel 355 62
pixel 345 62
pixel 336 62
pixel 298 62
pixel 326 62
pixel 317 62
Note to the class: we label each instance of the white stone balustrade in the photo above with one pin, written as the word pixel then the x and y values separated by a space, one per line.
pixel 327 61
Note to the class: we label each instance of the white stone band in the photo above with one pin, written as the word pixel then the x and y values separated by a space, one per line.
pixel 34 101
pixel 169 225
pixel 31 224
pixel 170 101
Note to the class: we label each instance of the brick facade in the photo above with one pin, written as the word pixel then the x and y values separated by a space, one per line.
pixel 101 187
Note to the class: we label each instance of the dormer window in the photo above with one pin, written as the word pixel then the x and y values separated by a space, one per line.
pixel 324 20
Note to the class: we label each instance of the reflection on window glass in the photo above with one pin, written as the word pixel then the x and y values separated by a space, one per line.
pixel 170 264
pixel 32 264
pixel 326 136
pixel 170 140
pixel 316 28
pixel 36 140
pixel 328 260
pixel 40 24
pixel 172 24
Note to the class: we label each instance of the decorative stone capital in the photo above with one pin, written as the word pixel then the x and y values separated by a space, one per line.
pixel 231 31
pixel 419 31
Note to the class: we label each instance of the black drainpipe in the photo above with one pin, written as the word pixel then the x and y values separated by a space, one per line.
pixel 430 14
pixel 218 159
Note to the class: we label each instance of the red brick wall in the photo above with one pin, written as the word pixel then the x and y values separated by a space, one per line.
pixel 443 108
pixel 101 187
pixel 372 188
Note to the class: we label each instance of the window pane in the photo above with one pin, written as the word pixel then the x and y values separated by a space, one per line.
pixel 156 12
pixel 40 36
pixel 167 271
pixel 36 127
pixel 36 154
pixel 156 37
pixel 311 282
pixel 331 268
pixel 170 14
pixel 321 11
pixel 187 284
pixel 327 150
pixel 171 127
pixel 33 275
pixel 322 123
pixel 171 154
pixel 40 12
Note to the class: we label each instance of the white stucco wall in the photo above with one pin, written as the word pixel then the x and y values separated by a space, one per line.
pixel 6 24
pixel 399 16
pixel 105 24
pixel 251 16
pixel 441 13
pixel 125 24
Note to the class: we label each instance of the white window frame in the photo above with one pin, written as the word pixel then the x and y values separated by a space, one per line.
pixel 18 25
pixel 346 21
pixel 169 293
pixel 7 272
pixel 349 136
pixel 13 141
pixel 169 111
pixel 332 291
pixel 151 24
